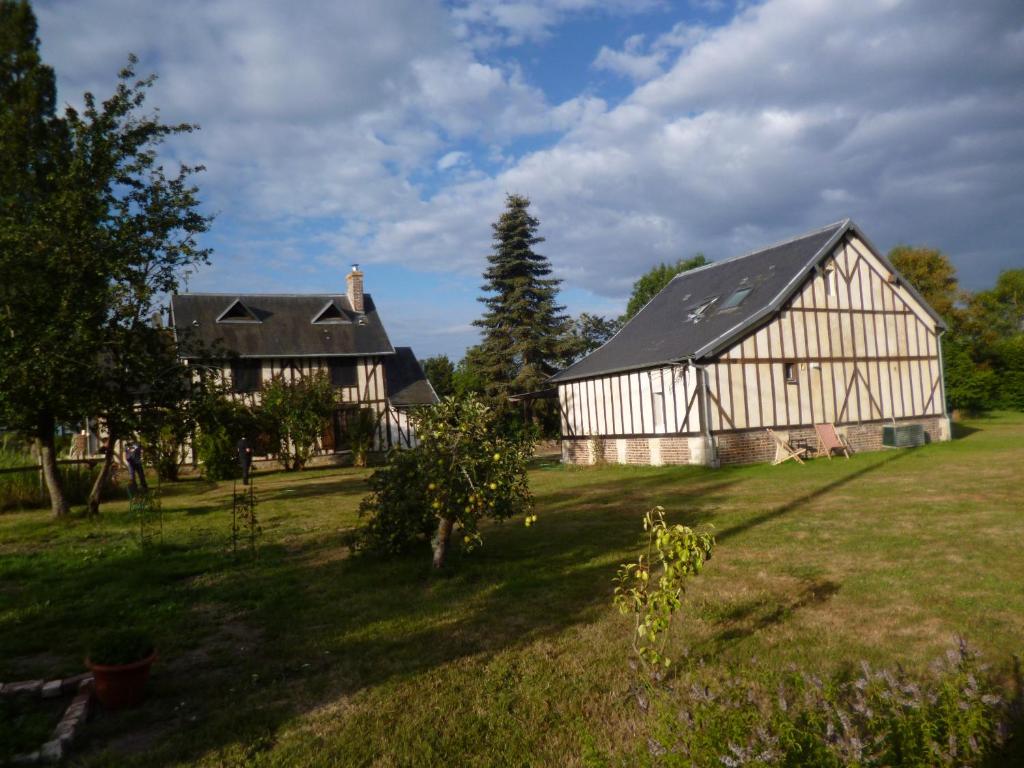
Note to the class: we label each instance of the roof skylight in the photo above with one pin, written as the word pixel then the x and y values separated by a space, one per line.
pixel 698 312
pixel 737 297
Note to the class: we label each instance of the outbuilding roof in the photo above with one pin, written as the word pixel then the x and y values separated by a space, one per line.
pixel 406 382
pixel 280 325
pixel 703 311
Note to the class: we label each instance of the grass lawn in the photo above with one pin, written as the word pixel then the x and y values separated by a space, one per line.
pixel 515 656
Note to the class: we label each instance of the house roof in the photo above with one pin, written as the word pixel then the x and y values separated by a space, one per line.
pixel 406 382
pixel 280 325
pixel 671 327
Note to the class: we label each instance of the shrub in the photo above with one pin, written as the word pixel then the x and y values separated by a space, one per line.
pixel 221 422
pixel 217 452
pixel 120 646
pixel 299 409
pixel 397 508
pixel 461 471
pixel 955 716
pixel 651 589
pixel 361 428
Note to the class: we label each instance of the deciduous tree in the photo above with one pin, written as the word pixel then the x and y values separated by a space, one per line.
pixel 654 280
pixel 931 272
pixel 92 232
pixel 586 333
pixel 440 372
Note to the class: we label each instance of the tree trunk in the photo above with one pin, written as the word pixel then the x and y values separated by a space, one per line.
pixel 96 494
pixel 444 535
pixel 51 474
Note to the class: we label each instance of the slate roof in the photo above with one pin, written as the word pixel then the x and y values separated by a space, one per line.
pixel 283 325
pixel 665 331
pixel 406 382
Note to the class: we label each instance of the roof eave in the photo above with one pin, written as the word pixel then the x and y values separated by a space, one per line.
pixel 903 281
pixel 722 341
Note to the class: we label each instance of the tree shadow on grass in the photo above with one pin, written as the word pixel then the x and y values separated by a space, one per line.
pixel 324 626
pixel 330 627
pixel 346 486
pixel 749 617
pixel 800 501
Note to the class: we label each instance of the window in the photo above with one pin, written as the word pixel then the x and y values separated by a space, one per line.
pixel 827 277
pixel 246 375
pixel 330 314
pixel 658 400
pixel 789 371
pixel 237 312
pixel 343 372
pixel 737 297
pixel 700 309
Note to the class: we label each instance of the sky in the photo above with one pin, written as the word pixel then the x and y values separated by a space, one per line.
pixel 388 132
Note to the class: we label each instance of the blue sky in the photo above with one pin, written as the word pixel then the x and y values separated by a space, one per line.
pixel 387 132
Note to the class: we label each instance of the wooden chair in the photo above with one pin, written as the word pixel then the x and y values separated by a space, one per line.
pixel 829 440
pixel 784 451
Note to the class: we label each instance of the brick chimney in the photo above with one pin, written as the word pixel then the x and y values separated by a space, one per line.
pixel 354 289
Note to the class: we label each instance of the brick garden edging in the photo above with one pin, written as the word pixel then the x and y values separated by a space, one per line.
pixel 70 722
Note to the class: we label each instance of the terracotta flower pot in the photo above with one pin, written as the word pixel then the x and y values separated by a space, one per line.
pixel 123 685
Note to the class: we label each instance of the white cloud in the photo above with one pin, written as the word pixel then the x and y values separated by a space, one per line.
pixel 512 22
pixel 904 115
pixel 316 125
pixel 631 61
pixel 452 159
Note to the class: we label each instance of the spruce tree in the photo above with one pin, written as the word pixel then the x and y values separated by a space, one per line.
pixel 523 325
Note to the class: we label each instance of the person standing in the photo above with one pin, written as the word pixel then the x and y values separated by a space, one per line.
pixel 244 459
pixel 136 470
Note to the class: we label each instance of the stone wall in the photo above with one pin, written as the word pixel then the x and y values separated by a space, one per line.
pixel 744 447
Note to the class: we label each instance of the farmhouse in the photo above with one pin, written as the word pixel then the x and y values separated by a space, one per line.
pixel 295 335
pixel 817 329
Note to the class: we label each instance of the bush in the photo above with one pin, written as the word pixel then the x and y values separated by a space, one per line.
pixel 462 470
pixel 953 717
pixel 217 451
pixel 652 588
pixel 300 409
pixel 221 423
pixel 397 509
pixel 120 646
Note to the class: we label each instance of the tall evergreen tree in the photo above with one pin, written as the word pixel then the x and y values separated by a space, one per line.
pixel 523 325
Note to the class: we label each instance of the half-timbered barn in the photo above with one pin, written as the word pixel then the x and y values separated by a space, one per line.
pixel 817 329
pixel 295 335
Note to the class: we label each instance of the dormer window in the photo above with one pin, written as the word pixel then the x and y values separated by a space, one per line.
pixel 237 312
pixel 737 297
pixel 330 313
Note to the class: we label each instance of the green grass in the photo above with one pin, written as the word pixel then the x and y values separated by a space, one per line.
pixel 515 656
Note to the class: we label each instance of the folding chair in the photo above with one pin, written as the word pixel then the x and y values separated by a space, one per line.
pixel 784 451
pixel 829 440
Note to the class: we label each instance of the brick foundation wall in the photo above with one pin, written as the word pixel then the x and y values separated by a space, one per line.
pixel 748 447
pixel 626 450
pixel 675 450
pixel 755 446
